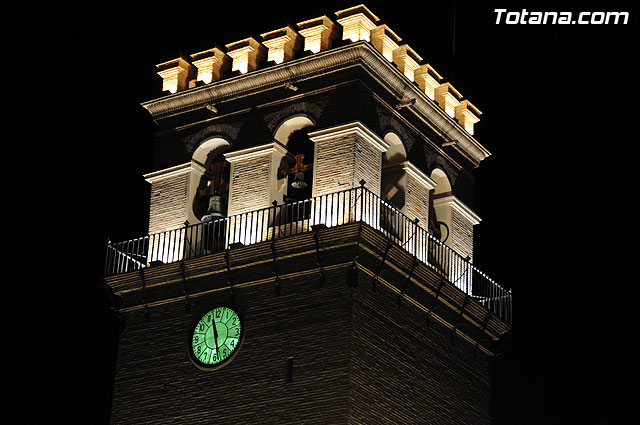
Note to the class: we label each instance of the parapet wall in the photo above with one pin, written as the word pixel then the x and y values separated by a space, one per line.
pixel 307 38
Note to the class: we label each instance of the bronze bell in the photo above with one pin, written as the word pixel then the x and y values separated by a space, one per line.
pixel 216 205
pixel 298 181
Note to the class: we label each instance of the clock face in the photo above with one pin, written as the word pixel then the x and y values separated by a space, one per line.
pixel 216 337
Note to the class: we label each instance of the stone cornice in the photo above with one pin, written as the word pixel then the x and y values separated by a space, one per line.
pixel 418 174
pixel 457 205
pixel 361 53
pixel 255 151
pixel 355 128
pixel 168 172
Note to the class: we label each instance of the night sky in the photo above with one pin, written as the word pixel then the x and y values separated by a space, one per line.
pixel 555 197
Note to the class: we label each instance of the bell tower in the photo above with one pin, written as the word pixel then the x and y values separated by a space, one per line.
pixel 310 248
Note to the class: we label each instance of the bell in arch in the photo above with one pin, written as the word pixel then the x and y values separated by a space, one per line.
pixel 214 190
pixel 216 208
pixel 298 181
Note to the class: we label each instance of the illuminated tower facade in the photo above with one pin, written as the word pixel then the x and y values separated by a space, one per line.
pixel 310 247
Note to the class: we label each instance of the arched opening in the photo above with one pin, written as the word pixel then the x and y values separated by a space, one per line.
pixel 439 218
pixel 299 172
pixel 208 194
pixel 396 154
pixel 210 178
pixel 393 182
pixel 290 125
pixel 294 184
pixel 393 185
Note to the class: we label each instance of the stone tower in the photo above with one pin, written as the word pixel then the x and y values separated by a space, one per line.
pixel 310 247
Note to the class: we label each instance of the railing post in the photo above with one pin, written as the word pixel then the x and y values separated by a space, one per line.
pixel 106 254
pixel 273 232
pixel 187 248
pixel 415 237
pixel 362 183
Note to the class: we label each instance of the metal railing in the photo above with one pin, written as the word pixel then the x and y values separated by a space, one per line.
pixel 334 209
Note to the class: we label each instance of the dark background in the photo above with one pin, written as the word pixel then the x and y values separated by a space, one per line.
pixel 556 195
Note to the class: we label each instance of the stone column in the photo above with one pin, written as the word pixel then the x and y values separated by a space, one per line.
pixel 168 203
pixel 415 186
pixel 447 97
pixel 167 213
pixel 357 23
pixel 344 155
pixel 460 220
pixel 407 60
pixel 467 115
pixel 428 79
pixel 385 41
pixel 251 191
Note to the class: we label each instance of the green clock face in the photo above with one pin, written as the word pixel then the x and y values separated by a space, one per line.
pixel 216 337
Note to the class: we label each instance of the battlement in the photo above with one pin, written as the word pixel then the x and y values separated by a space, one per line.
pixel 309 37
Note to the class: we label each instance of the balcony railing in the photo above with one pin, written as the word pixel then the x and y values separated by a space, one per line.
pixel 348 206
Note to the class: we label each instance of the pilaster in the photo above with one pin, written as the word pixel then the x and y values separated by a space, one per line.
pixel 168 203
pixel 418 186
pixel 344 155
pixel 253 175
pixel 460 219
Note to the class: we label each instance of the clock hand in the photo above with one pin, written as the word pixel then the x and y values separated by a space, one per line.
pixel 215 336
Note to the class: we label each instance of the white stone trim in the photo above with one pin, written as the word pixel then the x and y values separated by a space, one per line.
pixel 197 167
pixel 168 172
pixel 361 53
pixel 418 174
pixel 353 128
pixel 289 125
pixel 255 151
pixel 458 206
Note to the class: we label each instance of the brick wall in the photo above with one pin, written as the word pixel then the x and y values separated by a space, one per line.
pixel 405 372
pixel 168 203
pixel 156 382
pixel 461 234
pixel 460 220
pixel 417 201
pixel 249 189
pixel 418 186
pixel 357 359
pixel 344 155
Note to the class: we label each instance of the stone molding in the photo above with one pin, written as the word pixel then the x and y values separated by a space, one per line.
pixel 418 174
pixel 352 128
pixel 255 151
pixel 361 53
pixel 168 172
pixel 458 206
